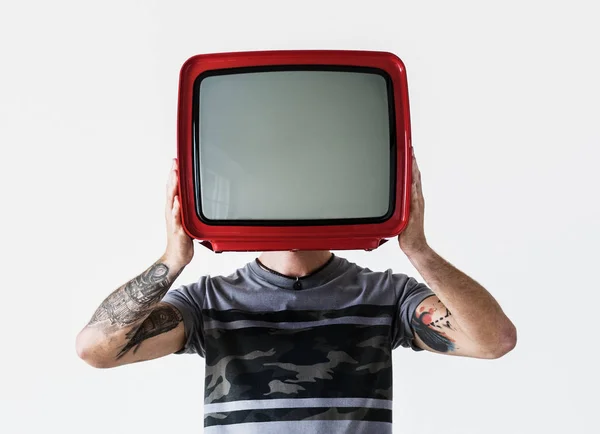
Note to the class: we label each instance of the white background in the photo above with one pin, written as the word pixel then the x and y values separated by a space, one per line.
pixel 505 107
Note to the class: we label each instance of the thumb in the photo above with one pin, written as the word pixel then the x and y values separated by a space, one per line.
pixel 176 207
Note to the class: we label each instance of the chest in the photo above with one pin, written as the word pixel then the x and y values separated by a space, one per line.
pixel 298 354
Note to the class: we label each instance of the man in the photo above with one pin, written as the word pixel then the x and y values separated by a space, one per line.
pixel 297 342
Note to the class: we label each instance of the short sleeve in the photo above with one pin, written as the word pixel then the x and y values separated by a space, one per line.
pixel 409 294
pixel 188 300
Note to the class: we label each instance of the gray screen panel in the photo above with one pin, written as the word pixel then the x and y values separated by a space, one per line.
pixel 294 145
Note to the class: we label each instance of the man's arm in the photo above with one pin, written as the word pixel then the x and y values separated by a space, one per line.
pixel 462 318
pixel 132 324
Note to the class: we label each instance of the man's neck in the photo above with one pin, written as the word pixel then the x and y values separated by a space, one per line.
pixel 295 264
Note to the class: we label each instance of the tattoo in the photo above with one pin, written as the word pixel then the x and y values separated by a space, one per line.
pixel 134 300
pixel 161 320
pixel 429 330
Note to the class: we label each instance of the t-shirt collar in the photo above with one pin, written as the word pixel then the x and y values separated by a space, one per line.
pixel 316 278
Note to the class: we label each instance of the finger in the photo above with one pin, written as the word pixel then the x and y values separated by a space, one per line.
pixel 176 205
pixel 416 171
pixel 417 188
pixel 414 163
pixel 416 191
pixel 176 212
pixel 171 175
pixel 172 185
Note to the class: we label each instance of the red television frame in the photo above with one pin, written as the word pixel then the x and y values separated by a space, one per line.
pixel 234 237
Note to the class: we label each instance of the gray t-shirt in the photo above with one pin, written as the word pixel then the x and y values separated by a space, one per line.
pixel 299 356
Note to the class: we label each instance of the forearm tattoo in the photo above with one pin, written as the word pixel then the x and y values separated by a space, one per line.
pixel 430 330
pixel 161 320
pixel 134 300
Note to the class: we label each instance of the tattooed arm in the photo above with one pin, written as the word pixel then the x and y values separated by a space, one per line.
pixel 463 318
pixel 132 324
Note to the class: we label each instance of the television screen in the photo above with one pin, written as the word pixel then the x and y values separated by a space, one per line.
pixel 294 150
pixel 293 144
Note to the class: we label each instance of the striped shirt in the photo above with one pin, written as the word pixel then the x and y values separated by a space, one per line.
pixel 298 355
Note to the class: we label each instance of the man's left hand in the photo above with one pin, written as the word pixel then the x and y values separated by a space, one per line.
pixel 412 238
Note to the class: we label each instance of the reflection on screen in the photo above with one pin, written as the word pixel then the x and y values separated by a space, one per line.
pixel 294 145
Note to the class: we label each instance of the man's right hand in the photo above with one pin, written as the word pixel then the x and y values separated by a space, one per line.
pixel 180 247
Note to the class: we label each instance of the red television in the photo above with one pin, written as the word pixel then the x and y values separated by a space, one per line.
pixel 294 150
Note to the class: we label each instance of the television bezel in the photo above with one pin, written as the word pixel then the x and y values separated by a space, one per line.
pixel 337 234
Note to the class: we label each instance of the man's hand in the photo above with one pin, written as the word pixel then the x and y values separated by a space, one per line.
pixel 412 238
pixel 180 248
pixel 471 321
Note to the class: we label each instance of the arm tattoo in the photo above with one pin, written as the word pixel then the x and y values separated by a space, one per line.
pixel 161 320
pixel 134 300
pixel 430 329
